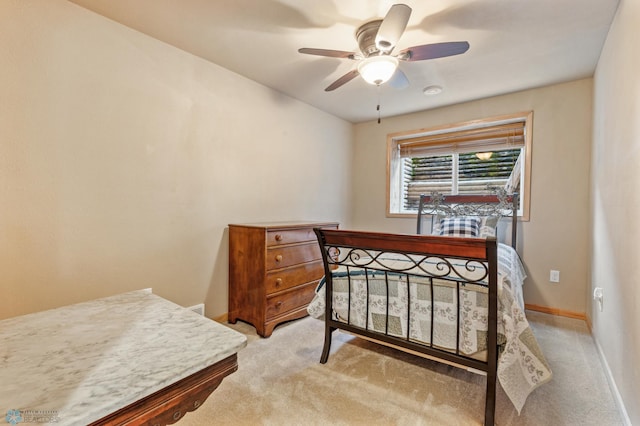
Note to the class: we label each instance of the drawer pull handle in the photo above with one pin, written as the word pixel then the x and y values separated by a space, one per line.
pixel 177 415
pixel 278 304
pixel 196 403
pixel 278 282
pixel 279 258
pixel 278 237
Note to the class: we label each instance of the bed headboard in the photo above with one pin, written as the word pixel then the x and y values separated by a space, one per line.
pixel 495 206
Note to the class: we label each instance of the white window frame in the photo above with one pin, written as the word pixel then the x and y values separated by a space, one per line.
pixel 394 162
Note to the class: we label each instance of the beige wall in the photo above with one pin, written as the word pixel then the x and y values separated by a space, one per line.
pixel 615 204
pixel 123 160
pixel 556 237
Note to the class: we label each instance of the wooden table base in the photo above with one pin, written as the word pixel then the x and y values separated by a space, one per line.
pixel 170 404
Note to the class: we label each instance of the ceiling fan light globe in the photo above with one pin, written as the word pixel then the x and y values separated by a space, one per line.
pixel 377 70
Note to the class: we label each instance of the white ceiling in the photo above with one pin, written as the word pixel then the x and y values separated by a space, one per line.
pixel 514 44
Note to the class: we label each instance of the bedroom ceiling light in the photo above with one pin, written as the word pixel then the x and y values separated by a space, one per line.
pixel 432 90
pixel 484 155
pixel 377 70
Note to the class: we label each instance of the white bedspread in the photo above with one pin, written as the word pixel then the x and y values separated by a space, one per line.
pixel 521 365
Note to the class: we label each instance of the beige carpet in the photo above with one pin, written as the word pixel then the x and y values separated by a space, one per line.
pixel 281 382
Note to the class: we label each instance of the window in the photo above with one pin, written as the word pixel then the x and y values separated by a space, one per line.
pixel 464 158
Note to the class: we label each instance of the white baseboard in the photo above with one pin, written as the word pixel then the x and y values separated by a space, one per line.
pixel 612 384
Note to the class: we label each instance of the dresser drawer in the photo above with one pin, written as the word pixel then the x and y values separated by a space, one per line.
pixel 290 236
pixel 286 278
pixel 282 257
pixel 288 300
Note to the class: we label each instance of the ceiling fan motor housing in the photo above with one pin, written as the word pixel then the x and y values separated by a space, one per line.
pixel 366 36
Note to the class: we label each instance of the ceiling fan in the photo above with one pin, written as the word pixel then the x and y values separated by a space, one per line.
pixel 376 40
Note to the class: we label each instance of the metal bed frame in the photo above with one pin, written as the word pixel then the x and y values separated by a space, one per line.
pixel 365 253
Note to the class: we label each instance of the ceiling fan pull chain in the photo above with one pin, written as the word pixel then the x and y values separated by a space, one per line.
pixel 378 107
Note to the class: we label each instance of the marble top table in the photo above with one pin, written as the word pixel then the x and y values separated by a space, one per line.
pixel 83 362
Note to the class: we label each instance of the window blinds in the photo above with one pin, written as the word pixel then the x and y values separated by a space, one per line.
pixel 491 138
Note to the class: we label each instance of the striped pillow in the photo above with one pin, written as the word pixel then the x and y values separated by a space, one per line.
pixel 488 225
pixel 460 227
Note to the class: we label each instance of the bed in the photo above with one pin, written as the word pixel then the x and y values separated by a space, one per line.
pixel 454 295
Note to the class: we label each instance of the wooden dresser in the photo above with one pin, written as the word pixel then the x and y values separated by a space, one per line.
pixel 273 271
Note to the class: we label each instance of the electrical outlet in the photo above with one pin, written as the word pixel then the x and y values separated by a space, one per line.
pixel 554 276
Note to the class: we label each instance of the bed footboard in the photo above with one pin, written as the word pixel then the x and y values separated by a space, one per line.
pixel 395 289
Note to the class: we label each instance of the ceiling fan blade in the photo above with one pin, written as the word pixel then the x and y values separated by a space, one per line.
pixel 399 80
pixel 392 27
pixel 327 52
pixel 435 50
pixel 342 80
